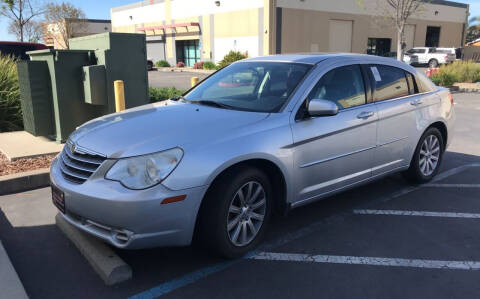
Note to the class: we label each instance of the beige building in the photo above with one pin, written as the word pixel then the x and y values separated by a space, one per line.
pixel 56 34
pixel 202 30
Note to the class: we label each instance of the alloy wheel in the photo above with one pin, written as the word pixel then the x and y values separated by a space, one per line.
pixel 429 155
pixel 246 213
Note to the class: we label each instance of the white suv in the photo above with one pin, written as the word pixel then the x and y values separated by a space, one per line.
pixel 431 56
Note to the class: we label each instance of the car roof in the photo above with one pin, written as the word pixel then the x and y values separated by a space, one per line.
pixel 13 43
pixel 315 58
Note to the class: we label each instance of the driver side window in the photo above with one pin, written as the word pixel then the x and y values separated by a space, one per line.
pixel 343 85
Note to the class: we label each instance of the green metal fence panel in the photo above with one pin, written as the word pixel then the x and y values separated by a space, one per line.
pixel 36 97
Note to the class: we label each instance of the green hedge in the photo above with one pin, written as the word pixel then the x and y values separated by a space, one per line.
pixel 231 57
pixel 162 63
pixel 165 93
pixel 208 65
pixel 457 72
pixel 10 107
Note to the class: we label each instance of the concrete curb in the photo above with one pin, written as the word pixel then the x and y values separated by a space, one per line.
pixel 10 284
pixel 184 70
pixel 109 266
pixel 23 181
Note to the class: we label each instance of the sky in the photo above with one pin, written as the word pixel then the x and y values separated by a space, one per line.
pixel 100 9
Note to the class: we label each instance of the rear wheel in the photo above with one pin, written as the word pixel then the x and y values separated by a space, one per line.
pixel 427 157
pixel 433 63
pixel 236 211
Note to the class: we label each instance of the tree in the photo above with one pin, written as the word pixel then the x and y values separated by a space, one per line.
pixel 473 31
pixel 399 11
pixel 20 13
pixel 32 31
pixel 64 21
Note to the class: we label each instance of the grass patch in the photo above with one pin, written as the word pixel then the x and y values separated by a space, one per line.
pixel 457 72
pixel 165 93
pixel 10 106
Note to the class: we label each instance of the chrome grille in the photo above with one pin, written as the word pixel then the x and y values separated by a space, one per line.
pixel 77 165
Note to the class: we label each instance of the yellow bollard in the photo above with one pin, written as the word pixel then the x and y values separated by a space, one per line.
pixel 194 81
pixel 119 95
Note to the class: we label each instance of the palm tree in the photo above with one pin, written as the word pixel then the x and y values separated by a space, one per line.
pixel 473 20
pixel 473 31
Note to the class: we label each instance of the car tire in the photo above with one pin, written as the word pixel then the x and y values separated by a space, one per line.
pixel 221 203
pixel 433 63
pixel 427 157
pixel 149 66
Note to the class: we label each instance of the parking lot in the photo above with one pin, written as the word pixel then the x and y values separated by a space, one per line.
pixel 387 239
pixel 180 80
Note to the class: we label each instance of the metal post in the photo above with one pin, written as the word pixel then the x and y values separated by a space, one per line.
pixel 194 81
pixel 119 95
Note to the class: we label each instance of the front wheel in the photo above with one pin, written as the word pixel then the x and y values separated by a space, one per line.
pixel 433 63
pixel 427 157
pixel 236 212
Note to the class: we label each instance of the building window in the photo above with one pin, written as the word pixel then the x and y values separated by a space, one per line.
pixel 433 36
pixel 188 51
pixel 379 46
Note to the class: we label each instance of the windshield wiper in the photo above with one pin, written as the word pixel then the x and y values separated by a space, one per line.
pixel 178 98
pixel 212 103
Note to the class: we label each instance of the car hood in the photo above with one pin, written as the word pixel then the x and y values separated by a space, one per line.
pixel 161 126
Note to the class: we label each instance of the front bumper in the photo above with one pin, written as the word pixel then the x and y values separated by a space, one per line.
pixel 129 218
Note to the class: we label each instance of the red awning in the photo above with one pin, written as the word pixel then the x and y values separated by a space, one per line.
pixel 171 26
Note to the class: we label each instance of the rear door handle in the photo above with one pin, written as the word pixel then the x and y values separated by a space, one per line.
pixel 416 102
pixel 365 114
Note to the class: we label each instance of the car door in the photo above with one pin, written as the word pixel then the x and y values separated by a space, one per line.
pixel 423 55
pixel 396 105
pixel 332 152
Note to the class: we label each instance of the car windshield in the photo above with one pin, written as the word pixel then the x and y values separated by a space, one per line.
pixel 250 86
pixel 416 51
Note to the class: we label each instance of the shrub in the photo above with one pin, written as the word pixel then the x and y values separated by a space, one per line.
pixel 162 63
pixel 443 79
pixel 209 66
pixel 165 93
pixel 231 57
pixel 10 106
pixel 458 71
pixel 198 65
pixel 180 64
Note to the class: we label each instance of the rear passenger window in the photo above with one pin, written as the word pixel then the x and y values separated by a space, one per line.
pixel 390 82
pixel 412 87
pixel 343 85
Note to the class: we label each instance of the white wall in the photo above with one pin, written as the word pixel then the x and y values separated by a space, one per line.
pixel 242 43
pixel 192 8
pixel 375 7
pixel 144 14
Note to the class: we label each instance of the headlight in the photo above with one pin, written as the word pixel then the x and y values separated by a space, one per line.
pixel 145 171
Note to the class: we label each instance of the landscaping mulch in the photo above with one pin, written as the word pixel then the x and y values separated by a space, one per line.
pixel 24 164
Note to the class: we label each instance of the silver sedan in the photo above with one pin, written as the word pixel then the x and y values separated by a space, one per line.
pixel 262 135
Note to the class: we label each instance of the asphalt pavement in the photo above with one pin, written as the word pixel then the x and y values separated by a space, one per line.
pixel 387 239
pixel 179 80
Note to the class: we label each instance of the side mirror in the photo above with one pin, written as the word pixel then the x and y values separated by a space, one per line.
pixel 319 107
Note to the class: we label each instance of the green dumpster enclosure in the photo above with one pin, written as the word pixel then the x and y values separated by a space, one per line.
pixel 62 89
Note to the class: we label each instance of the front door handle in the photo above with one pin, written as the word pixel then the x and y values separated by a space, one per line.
pixel 365 114
pixel 416 102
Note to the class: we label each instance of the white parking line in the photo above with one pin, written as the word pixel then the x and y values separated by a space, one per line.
pixel 374 261
pixel 194 276
pixel 417 213
pixel 452 185
pixel 437 178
